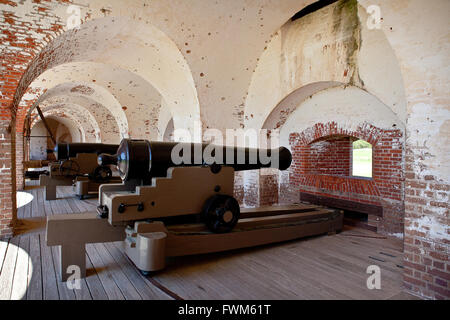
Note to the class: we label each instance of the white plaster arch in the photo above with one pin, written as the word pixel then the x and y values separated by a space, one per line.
pixel 349 106
pixel 149 53
pixel 75 130
pixel 109 130
pixel 313 51
pixel 164 118
pixel 139 100
pixel 83 118
pixel 169 132
pixel 95 93
pixel 288 104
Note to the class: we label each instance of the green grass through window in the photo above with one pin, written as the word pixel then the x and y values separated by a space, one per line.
pixel 362 162
pixel 362 159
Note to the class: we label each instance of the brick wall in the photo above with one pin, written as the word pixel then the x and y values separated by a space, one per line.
pixel 251 188
pixel 322 166
pixel 239 187
pixel 6 187
pixel 19 161
pixel 426 243
pixel 268 187
pixel 330 157
pixel 21 40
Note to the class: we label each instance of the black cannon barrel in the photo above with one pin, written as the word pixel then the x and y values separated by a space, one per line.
pixel 65 151
pixel 143 159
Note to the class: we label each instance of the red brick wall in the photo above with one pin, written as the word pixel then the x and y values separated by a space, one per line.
pixel 268 189
pixel 331 156
pixel 426 250
pixel 19 161
pixel 22 59
pixel 427 267
pixel 6 186
pixel 239 187
pixel 251 188
pixel 322 166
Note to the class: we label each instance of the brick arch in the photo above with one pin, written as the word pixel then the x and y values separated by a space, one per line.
pixel 74 45
pixel 335 110
pixel 311 180
pixel 336 136
pixel 319 131
pixel 108 127
pixel 139 106
pixel 113 126
pixel 60 46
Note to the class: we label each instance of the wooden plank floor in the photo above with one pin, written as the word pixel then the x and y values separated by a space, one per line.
pixel 322 267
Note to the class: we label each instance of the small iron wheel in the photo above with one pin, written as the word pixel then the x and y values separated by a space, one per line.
pixel 221 213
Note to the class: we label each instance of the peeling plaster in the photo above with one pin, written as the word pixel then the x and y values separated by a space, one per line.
pixel 428 133
pixel 330 45
pixel 351 107
pixel 432 227
pixel 97 94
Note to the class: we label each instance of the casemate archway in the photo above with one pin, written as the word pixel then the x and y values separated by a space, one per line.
pixel 84 120
pixel 150 55
pixel 126 95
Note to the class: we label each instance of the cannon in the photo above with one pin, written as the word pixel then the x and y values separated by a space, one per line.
pixel 34 164
pixel 64 151
pixel 200 175
pixel 77 165
pixel 177 199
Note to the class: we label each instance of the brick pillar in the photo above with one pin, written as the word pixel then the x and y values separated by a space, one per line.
pixel 387 172
pixel 261 187
pixel 251 187
pixel 426 240
pixel 7 189
pixel 268 187
pixel 19 161
pixel 239 187
pixel 289 179
pixel 288 192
